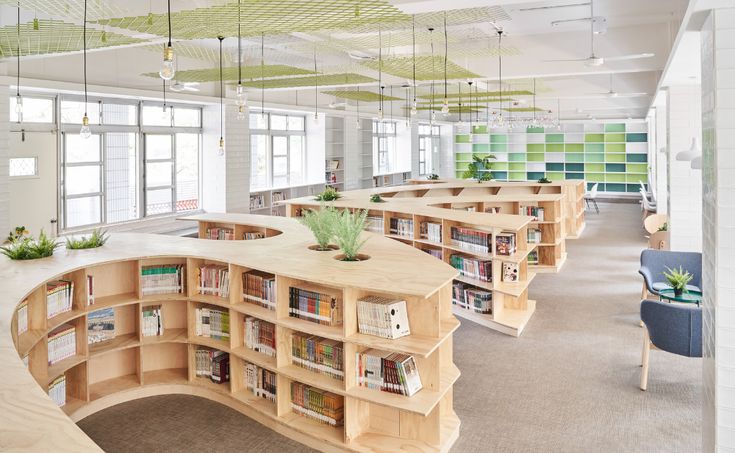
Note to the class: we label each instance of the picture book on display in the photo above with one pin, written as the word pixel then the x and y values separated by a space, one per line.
pixel 212 322
pixel 59 297
pixel 505 244
pixel 259 288
pixel 382 317
pixel 62 343
pixel 317 354
pixel 162 279
pixel 315 307
pixel 320 405
pixel 260 336
pixel 388 372
pixel 260 381
pixel 472 298
pixel 101 325
pixel 510 272
pixel 152 324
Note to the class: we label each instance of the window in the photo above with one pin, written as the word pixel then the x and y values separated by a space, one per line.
pixel 171 173
pixel 22 166
pixel 277 150
pixel 82 180
pixel 429 145
pixel 384 147
pixel 35 110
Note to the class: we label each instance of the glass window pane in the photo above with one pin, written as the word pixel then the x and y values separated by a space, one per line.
pixel 158 174
pixel 123 114
pixel 121 177
pixel 187 172
pixel 296 123
pixel 82 211
pixel 158 201
pixel 80 149
pixel 73 111
pixel 158 146
pixel 155 115
pixel 83 179
pixel 280 171
pixel 258 121
pixel 296 159
pixel 186 117
pixel 23 166
pixel 278 122
pixel 280 146
pixel 35 110
pixel 258 161
pixel 436 130
pixel 424 129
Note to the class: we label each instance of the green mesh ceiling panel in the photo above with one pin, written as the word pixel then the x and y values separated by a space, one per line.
pixel 436 19
pixel 482 94
pixel 265 16
pixel 73 9
pixel 54 36
pixel 362 96
pixel 322 80
pixel 403 67
pixel 451 109
pixel 230 73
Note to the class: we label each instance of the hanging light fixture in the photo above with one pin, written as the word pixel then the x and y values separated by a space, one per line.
pixel 414 105
pixel 18 98
pixel 431 40
pixel 240 95
pixel 168 70
pixel 408 114
pixel 380 74
pixel 445 106
pixel 262 76
pixel 498 120
pixel 358 121
pixel 85 131
pixel 221 149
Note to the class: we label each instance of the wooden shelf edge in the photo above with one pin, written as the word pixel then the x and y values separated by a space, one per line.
pixel 512 322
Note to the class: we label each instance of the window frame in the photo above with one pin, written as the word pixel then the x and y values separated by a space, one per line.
pixel 434 139
pixel 271 135
pixel 35 174
pixel 384 133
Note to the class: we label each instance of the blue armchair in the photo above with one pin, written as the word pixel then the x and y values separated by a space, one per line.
pixel 655 262
pixel 673 328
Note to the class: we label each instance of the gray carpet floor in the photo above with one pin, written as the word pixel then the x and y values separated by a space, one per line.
pixel 569 384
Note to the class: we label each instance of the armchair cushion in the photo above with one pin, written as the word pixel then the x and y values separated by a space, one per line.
pixel 674 328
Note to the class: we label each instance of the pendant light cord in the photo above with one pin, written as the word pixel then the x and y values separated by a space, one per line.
pixel 84 55
pixel 262 74
pixel 239 47
pixel 446 54
pixel 500 71
pixel 169 23
pixel 17 88
pixel 413 34
pixel 431 41
pixel 221 90
pixel 380 68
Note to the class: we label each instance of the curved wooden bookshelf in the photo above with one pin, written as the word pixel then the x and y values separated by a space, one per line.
pixel 133 365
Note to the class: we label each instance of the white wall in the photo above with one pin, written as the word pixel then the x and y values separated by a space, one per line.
pixel 4 132
pixel 316 140
pixel 662 162
pixel 406 141
pixel 213 165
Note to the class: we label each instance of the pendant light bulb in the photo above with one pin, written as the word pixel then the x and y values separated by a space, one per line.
pixel 240 112
pixel 241 95
pixel 358 124
pixel 221 149
pixel 445 107
pixel 19 105
pixel 167 71
pixel 380 114
pixel 85 132
pixel 414 108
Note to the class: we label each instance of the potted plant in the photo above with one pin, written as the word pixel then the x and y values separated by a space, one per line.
pixel 433 177
pixel 329 194
pixel 480 168
pixel 96 239
pixel 18 233
pixel 678 279
pixel 664 227
pixel 322 224
pixel 28 248
pixel 376 198
pixel 544 180
pixel 347 233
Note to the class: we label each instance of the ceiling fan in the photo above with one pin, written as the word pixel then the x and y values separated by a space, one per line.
pixel 595 60
pixel 337 105
pixel 186 86
pixel 614 94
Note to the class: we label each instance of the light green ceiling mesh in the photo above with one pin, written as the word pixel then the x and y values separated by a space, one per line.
pixel 451 109
pixel 265 16
pixel 72 9
pixel 230 73
pixel 362 96
pixel 54 36
pixel 403 67
pixel 322 80
pixel 482 94
pixel 436 19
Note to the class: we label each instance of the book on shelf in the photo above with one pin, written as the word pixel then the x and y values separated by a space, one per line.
pixel 213 280
pixel 533 257
pixel 212 322
pixel 260 336
pixel 534 235
pixel 259 288
pixel 465 208
pixel 101 325
pixel 382 317
pixel 152 324
pixel 472 298
pixel 212 364
pixel 471 239
pixel 331 177
pixel 317 354
pixel 374 224
pixel 325 407
pixel 257 201
pixel 62 343
pixel 315 307
pixel 505 244
pixel 278 196
pixel 22 317
pixel 401 227
pixel 510 272
pixel 333 164
pixel 388 372
pixel 250 235
pixel 90 290
pixel 436 253
pixel 59 297
pixel 431 231
pixel 57 390
pixel 473 267
pixel 533 211
pixel 260 381
pixel 220 234
pixel 162 279
pixel 493 209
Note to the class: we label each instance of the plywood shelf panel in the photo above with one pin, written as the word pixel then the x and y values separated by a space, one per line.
pixel 255 358
pixel 114 385
pixel 28 339
pixel 166 376
pixel 113 301
pixel 179 335
pixel 119 342
pixel 58 368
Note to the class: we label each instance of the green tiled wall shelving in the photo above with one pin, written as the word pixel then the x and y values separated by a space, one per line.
pixel 614 155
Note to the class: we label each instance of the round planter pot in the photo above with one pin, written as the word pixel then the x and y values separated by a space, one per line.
pixel 360 257
pixel 330 248
pixel 678 293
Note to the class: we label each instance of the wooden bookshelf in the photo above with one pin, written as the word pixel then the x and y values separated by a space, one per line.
pixel 132 365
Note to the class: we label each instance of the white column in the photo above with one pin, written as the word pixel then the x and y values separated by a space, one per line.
pixel 684 123
pixel 237 161
pixel 4 178
pixel 662 164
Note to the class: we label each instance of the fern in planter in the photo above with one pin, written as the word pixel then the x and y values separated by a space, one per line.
pixel 96 239
pixel 322 224
pixel 678 279
pixel 347 234
pixel 433 177
pixel 27 248
pixel 329 194
pixel 376 198
pixel 544 180
pixel 480 168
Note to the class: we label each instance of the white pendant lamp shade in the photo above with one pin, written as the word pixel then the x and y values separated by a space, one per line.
pixel 689 154
pixel 696 163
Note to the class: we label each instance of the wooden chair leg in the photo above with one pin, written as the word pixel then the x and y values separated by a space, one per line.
pixel 644 292
pixel 645 358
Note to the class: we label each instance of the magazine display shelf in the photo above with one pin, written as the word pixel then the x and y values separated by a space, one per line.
pixel 133 366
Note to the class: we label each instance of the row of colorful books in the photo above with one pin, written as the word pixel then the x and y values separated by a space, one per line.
pixel 57 390
pixel 533 211
pixel 431 231
pixel 22 317
pixel 101 325
pixel 473 267
pixel 471 239
pixel 533 257
pixel 315 307
pixel 382 317
pixel 260 287
pixel 220 234
pixel 59 297
pixel 374 224
pixel 250 235
pixel 162 279
pixel 152 324
pixel 388 372
pixel 436 253
pixel 257 201
pixel 325 407
pixel 260 336
pixel 62 343
pixel 401 227
pixel 472 298
pixel 212 323
pixel 213 280
pixel 278 196
pixel 318 354
pixel 534 235
pixel 213 364
pixel 260 381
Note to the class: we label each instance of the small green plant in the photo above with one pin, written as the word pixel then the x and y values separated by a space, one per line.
pixel 27 248
pixel 664 227
pixel 433 177
pixel 96 239
pixel 18 233
pixel 376 198
pixel 329 194
pixel 480 168
pixel 678 279
pixel 348 231
pixel 321 223
pixel 544 180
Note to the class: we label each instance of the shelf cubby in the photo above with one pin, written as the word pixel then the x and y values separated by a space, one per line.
pixel 127 328
pixel 114 372
pixel 164 363
pixel 174 314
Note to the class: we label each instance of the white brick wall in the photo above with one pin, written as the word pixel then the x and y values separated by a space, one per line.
pixel 4 137
pixel 237 161
pixel 662 173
